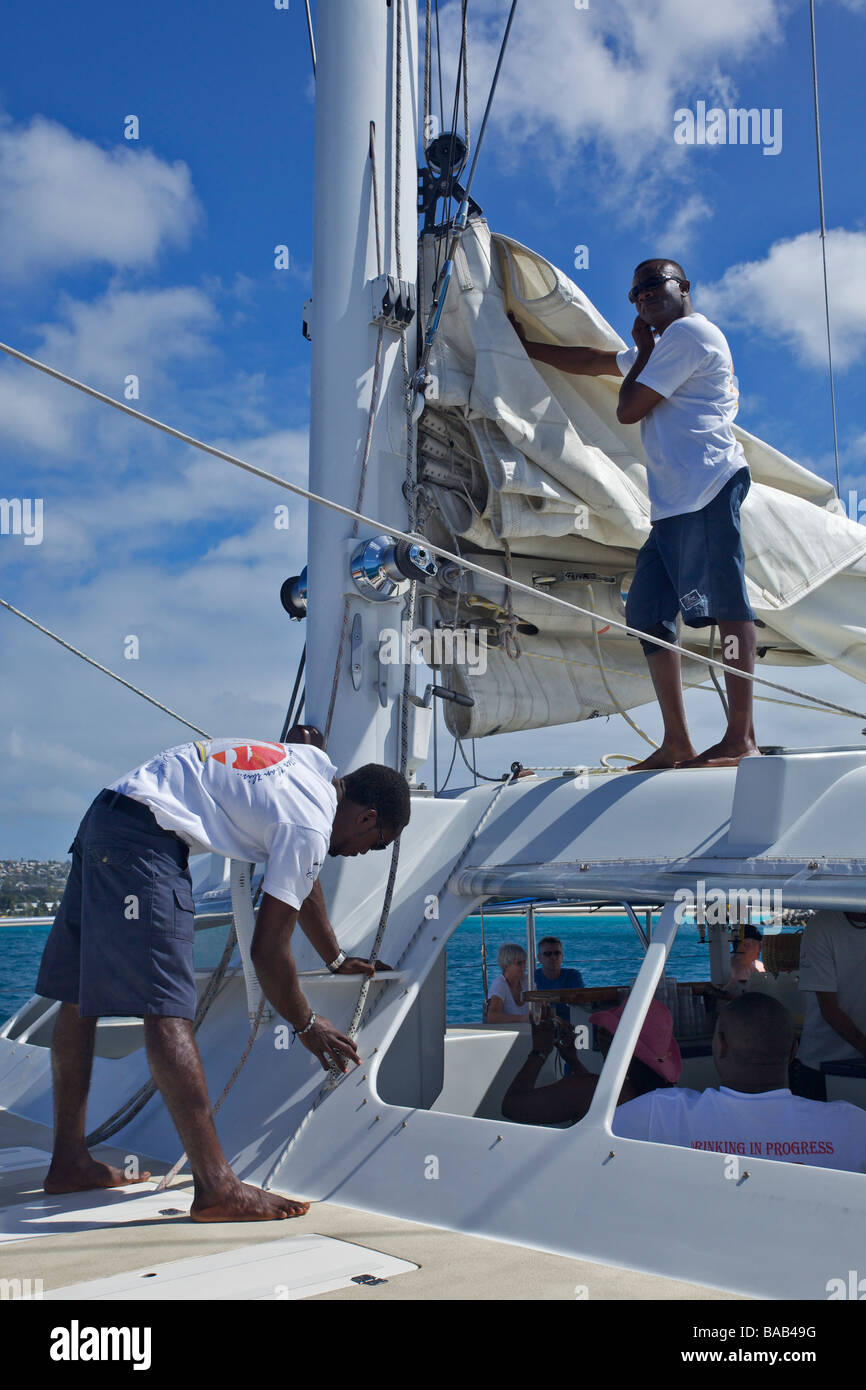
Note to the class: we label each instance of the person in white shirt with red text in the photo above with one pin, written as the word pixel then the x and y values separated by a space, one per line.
pixel 753 1113
pixel 122 941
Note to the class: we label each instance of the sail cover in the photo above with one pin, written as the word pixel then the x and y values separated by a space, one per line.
pixel 527 469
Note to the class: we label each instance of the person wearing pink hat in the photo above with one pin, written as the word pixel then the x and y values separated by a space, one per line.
pixel 656 1062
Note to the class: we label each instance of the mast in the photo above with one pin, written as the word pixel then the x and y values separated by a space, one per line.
pixel 356 84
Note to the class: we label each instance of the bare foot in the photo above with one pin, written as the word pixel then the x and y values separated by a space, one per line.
pixel 666 756
pixel 84 1174
pixel 723 754
pixel 243 1202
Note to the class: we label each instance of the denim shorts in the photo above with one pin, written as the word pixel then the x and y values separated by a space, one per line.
pixel 694 565
pixel 122 940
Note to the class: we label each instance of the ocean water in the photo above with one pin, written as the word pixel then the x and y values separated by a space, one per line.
pixel 602 946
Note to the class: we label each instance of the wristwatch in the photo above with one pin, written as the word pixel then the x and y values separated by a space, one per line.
pixel 536 1052
pixel 335 964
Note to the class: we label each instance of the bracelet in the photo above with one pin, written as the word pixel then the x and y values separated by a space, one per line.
pixel 536 1053
pixel 337 962
pixel 299 1032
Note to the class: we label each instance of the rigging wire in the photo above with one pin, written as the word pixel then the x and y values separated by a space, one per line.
pixel 438 550
pixel 491 94
pixel 289 720
pixel 470 765
pixel 824 239
pixel 616 703
pixel 428 59
pixel 450 766
pixel 463 214
pixel 89 659
pixel 465 46
pixel 439 65
pixel 441 121
pixel 714 674
pixel 456 105
pixel 312 40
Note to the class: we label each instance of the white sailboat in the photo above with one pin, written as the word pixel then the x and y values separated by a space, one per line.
pixel 416 1134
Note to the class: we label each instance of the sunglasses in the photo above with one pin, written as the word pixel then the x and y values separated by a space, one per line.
pixel 652 283
pixel 551 953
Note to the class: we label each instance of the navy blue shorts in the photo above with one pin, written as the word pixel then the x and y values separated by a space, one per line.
pixel 694 565
pixel 122 940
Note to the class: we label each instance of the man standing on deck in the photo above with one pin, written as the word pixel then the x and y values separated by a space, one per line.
pixel 122 941
pixel 680 386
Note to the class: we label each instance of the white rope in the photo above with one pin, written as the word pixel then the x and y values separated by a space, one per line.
pixel 814 700
pixel 334 1077
pixel 89 659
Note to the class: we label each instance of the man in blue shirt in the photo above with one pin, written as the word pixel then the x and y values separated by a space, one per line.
pixel 551 974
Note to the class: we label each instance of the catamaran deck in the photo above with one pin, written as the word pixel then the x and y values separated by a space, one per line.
pixel 96 1246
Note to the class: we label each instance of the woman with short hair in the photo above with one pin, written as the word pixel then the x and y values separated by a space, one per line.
pixel 505 1002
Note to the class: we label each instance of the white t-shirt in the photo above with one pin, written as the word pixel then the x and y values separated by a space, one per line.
pixel 247 800
pixel 688 437
pixel 832 957
pixel 772 1124
pixel 742 975
pixel 500 989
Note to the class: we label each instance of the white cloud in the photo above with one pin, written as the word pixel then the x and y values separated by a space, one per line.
pixel 611 74
pixel 179 500
pixel 66 202
pixel 122 333
pixel 214 644
pixel 678 236
pixel 782 296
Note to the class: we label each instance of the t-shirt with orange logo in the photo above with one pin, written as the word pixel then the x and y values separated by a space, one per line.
pixel 245 799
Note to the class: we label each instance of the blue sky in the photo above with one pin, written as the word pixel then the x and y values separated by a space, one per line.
pixel 155 257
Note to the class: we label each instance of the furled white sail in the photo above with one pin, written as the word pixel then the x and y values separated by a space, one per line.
pixel 530 465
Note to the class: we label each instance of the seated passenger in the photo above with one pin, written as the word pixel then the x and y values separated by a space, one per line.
pixel 550 973
pixel 656 1062
pixel 745 958
pixel 505 1003
pixel 753 1113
